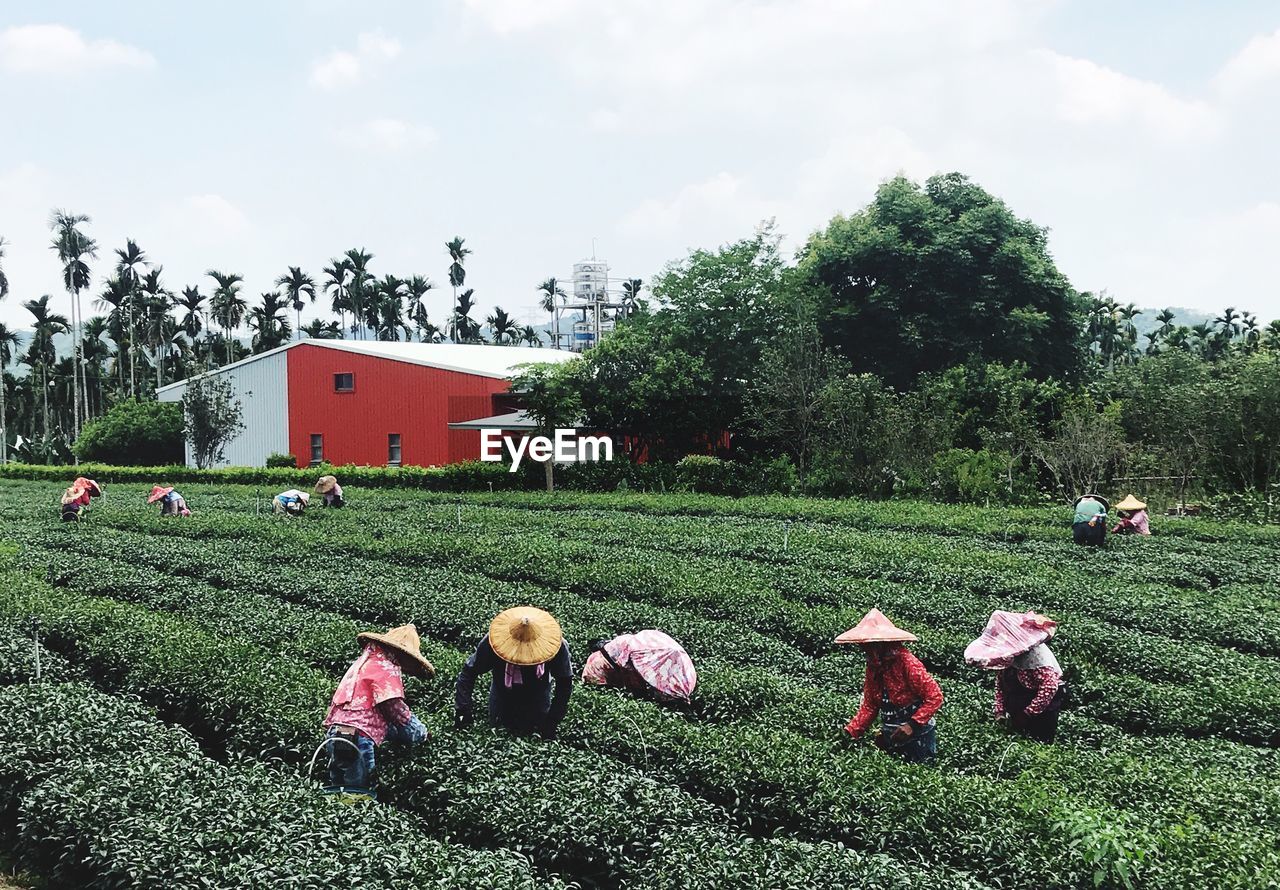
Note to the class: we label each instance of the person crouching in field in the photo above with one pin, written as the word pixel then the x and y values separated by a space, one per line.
pixel 897 687
pixel 1089 522
pixel 648 662
pixel 75 500
pixel 523 652
pixel 1029 687
pixel 328 488
pixel 368 707
pixel 291 502
pixel 1133 518
pixel 171 503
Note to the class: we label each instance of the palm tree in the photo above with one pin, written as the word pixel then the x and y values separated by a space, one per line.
pixel 115 299
pixel 319 329
pixel 1271 338
pixel 529 336
pixel 550 290
pixel 269 322
pixel 73 246
pixel 457 272
pixel 297 283
pixel 227 305
pixel 1249 331
pixel 41 352
pixel 130 260
pixel 336 278
pixel 428 332
pixel 4 285
pixel 9 344
pixel 192 305
pixel 1227 322
pixel 156 301
pixel 1165 317
pixel 630 296
pixel 1153 342
pixel 463 327
pixel 94 352
pixel 358 291
pixel 386 312
pixel 501 327
pixel 418 287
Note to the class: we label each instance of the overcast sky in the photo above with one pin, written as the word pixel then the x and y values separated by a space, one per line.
pixel 252 136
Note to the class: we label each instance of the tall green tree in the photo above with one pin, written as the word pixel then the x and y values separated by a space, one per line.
pixel 362 290
pixel 502 329
pixel 416 292
pixel 73 247
pixel 458 254
pixel 337 278
pixel 227 305
pixel 9 344
pixel 929 277
pixel 552 398
pixel 551 294
pixel 269 322
pixel 386 312
pixel 297 284
pixel 40 352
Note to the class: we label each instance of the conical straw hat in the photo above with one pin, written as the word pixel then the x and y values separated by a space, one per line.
pixel 404 640
pixel 525 636
pixel 88 485
pixel 1131 503
pixel 326 484
pixel 875 627
pixel 157 492
pixel 1008 635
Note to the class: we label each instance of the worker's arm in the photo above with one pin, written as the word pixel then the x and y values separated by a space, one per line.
pixel 405 726
pixel 481 661
pixel 1049 680
pixel 561 669
pixel 924 686
pixel 872 690
pixel 999 709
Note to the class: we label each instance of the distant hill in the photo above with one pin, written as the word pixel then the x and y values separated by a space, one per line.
pixel 1146 322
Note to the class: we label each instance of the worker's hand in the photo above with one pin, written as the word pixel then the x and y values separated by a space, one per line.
pixel 902 734
pixel 461 719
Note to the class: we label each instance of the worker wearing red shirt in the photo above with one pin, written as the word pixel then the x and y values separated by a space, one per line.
pixel 898 688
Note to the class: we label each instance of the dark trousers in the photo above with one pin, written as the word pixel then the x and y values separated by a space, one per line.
pixel 1042 727
pixel 923 745
pixel 1091 535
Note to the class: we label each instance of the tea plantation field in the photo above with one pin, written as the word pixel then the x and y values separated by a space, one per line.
pixel 187 665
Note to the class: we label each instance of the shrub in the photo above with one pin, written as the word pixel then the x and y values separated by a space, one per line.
pixel 710 475
pixel 962 475
pixel 276 460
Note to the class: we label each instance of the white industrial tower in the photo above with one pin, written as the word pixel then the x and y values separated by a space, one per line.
pixel 582 317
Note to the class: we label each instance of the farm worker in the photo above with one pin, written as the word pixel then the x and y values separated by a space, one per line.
pixel 329 488
pixel 897 687
pixel 1089 523
pixel 523 651
pixel 292 502
pixel 75 500
pixel 648 661
pixel 171 503
pixel 1133 518
pixel 1029 687
pixel 368 707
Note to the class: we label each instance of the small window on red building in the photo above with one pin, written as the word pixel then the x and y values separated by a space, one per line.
pixel 317 449
pixel 344 382
pixel 393 449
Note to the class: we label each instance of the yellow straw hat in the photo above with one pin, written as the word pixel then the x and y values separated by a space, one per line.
pixel 1131 503
pixel 404 641
pixel 525 636
pixel 326 484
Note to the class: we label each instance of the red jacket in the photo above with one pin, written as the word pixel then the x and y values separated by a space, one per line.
pixel 904 678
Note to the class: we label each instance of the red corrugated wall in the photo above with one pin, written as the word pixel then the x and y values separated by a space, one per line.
pixel 390 397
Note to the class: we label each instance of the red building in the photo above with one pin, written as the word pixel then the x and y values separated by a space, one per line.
pixel 370 403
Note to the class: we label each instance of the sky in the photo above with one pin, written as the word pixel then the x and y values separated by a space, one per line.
pixel 250 137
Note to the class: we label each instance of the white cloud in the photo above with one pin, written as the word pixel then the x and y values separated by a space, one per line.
pixel 387 134
pixel 1256 64
pixel 1089 93
pixel 217 213
pixel 712 210
pixel 343 68
pixel 57 49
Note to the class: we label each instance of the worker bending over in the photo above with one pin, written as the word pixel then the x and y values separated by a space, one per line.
pixel 328 488
pixel 523 652
pixel 1133 518
pixel 1029 688
pixel 171 503
pixel 291 502
pixel 1089 522
pixel 75 500
pixel 369 708
pixel 897 687
pixel 649 662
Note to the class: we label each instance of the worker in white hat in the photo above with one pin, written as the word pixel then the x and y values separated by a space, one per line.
pixel 525 652
pixel 1133 518
pixel 291 502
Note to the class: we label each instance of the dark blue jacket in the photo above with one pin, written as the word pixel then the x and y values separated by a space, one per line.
pixel 524 707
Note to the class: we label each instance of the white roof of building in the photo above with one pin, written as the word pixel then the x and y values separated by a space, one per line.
pixel 499 362
pixel 515 420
